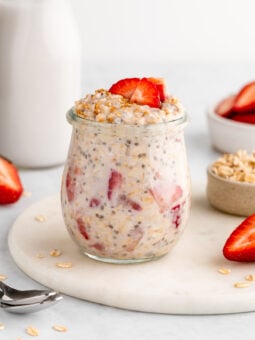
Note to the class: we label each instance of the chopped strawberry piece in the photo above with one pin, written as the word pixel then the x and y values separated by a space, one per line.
pixel 125 87
pixel 134 238
pixel 98 246
pixel 245 99
pixel 114 183
pixel 225 107
pixel 176 215
pixel 161 86
pixel 146 93
pixel 165 194
pixel 240 246
pixel 94 202
pixel 82 228
pixel 70 185
pixel 130 203
pixel 10 183
pixel 248 118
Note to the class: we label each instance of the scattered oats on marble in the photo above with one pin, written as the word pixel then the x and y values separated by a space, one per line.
pixel 3 277
pixel 224 271
pixel 40 218
pixel 2 327
pixel 55 252
pixel 250 277
pixel 59 328
pixel 241 284
pixel 64 264
pixel 32 331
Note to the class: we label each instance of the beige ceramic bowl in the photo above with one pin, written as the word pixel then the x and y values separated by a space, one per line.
pixel 227 135
pixel 236 198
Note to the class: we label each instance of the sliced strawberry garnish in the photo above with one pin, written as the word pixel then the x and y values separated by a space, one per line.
pixel 240 246
pixel 165 194
pixel 146 93
pixel 125 87
pixel 82 228
pixel 248 118
pixel 161 86
pixel 245 99
pixel 225 107
pixel 114 183
pixel 10 183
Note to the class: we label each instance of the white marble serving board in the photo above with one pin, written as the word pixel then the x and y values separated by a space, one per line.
pixel 186 281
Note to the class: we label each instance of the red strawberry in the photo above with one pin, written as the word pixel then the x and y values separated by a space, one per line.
pixel 240 246
pixel 70 186
pixel 114 183
pixel 244 117
pixel 125 87
pixel 10 184
pixel 165 194
pixel 130 203
pixel 225 107
pixel 98 246
pixel 245 99
pixel 146 93
pixel 94 202
pixel 161 86
pixel 82 228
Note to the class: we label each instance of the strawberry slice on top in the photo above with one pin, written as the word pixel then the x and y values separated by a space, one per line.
pixel 125 87
pixel 10 183
pixel 240 246
pixel 146 93
pixel 245 99
pixel 161 86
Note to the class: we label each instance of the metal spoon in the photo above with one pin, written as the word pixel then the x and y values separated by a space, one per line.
pixel 26 301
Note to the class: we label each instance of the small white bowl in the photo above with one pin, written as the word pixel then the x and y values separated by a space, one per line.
pixel 227 135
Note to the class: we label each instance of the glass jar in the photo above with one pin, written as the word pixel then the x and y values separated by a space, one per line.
pixel 125 189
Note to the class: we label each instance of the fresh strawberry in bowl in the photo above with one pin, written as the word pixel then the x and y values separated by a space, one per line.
pixel 231 121
pixel 10 183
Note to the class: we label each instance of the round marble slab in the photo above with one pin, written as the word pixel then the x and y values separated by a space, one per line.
pixel 186 281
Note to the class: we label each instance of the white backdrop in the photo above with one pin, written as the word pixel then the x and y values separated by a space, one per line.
pixel 167 30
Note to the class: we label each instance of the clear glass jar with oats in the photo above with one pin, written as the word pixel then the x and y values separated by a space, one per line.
pixel 126 188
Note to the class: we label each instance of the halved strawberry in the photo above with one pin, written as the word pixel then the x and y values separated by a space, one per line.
pixel 125 87
pixel 248 118
pixel 114 183
pixel 10 183
pixel 225 107
pixel 240 246
pixel 161 86
pixel 245 99
pixel 146 93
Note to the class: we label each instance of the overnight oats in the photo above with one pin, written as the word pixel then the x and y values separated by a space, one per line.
pixel 125 188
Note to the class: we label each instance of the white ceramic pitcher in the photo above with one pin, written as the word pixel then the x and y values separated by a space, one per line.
pixel 40 69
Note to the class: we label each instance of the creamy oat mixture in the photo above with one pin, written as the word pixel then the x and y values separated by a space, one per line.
pixel 104 106
pixel 125 189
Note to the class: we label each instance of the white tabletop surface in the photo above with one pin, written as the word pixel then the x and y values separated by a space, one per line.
pixel 198 86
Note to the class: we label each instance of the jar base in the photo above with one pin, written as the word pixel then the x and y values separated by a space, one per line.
pixel 121 261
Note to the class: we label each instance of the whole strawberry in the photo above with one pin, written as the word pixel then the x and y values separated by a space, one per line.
pixel 10 183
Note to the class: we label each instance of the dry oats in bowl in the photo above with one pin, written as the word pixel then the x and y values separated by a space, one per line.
pixel 125 188
pixel 231 183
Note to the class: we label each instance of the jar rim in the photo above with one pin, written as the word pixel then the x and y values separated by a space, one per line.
pixel 73 117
